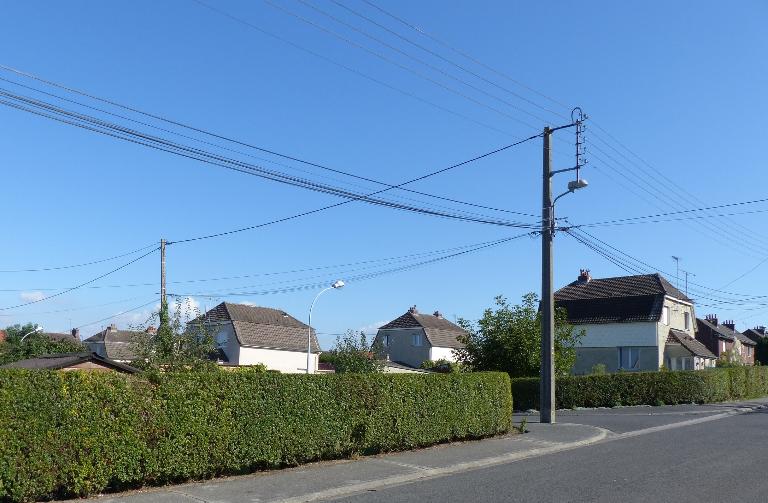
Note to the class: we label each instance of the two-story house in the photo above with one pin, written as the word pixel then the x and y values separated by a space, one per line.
pixel 415 337
pixel 722 337
pixel 249 335
pixel 632 323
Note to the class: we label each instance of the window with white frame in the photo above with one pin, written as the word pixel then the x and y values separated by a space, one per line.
pixel 629 358
pixel 687 320
pixel 418 340
pixel 385 340
pixel 665 315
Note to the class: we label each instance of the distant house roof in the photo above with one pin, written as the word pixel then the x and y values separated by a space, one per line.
pixel 756 334
pixel 439 331
pixel 118 344
pixel 725 332
pixel 65 360
pixel 402 368
pixel 60 337
pixel 262 327
pixel 695 347
pixel 617 300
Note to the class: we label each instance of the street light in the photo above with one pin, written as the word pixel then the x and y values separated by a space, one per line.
pixel 335 286
pixel 37 329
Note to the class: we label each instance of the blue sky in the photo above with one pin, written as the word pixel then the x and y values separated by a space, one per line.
pixel 681 85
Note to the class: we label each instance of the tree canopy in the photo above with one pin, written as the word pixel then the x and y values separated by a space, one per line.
pixel 353 354
pixel 508 338
pixel 34 345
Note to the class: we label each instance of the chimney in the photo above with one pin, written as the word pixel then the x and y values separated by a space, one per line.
pixel 584 276
pixel 730 324
pixel 151 330
pixel 76 333
pixel 760 330
pixel 712 318
pixel 437 314
pixel 112 328
pixel 413 310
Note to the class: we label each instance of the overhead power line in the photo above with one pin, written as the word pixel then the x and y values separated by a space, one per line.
pixel 356 278
pixel 73 266
pixel 153 301
pixel 162 144
pixel 81 284
pixel 217 136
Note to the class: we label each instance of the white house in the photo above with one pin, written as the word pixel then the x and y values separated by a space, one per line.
pixel 414 337
pixel 632 323
pixel 248 335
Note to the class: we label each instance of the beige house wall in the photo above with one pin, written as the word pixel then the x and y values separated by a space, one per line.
pixel 400 347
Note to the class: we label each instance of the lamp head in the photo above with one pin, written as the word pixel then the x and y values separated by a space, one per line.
pixel 338 284
pixel 577 184
pixel 38 328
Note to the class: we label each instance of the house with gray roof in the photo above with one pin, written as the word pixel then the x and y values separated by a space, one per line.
pixel 114 344
pixel 757 334
pixel 249 335
pixel 415 337
pixel 722 337
pixel 632 323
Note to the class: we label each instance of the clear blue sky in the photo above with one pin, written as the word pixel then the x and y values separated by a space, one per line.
pixel 682 84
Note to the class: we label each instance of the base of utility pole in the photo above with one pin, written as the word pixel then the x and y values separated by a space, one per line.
pixel 547 378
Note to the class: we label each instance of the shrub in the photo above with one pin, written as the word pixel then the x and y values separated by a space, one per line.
pixel 79 433
pixel 648 388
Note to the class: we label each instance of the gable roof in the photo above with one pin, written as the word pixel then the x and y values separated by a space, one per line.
pixel 439 331
pixel 118 344
pixel 725 333
pixel 263 327
pixel 755 334
pixel 617 300
pixel 60 337
pixel 64 360
pixel 695 347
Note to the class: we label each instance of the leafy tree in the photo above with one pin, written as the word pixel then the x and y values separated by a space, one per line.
pixel 761 351
pixel 508 338
pixel 180 343
pixel 34 345
pixel 729 359
pixel 353 354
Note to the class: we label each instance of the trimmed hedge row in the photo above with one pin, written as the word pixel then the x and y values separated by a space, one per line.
pixel 647 388
pixel 79 433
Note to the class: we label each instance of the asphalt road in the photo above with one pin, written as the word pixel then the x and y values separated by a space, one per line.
pixel 718 460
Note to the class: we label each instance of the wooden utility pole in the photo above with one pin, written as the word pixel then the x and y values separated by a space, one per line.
pixel 547 379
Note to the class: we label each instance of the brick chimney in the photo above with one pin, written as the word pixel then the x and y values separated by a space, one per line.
pixel 584 276
pixel 730 324
pixel 437 314
pixel 413 310
pixel 76 333
pixel 712 318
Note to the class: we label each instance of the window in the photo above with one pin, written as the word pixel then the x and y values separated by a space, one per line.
pixel 629 358
pixel 687 320
pixel 418 340
pixel 665 315
pixel 385 340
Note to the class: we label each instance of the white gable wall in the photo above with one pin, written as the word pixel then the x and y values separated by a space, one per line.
pixel 438 353
pixel 287 362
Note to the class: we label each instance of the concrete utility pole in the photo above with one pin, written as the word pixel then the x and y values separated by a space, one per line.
pixel 162 275
pixel 547 379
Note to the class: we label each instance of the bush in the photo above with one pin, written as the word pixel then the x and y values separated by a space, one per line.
pixel 648 388
pixel 79 433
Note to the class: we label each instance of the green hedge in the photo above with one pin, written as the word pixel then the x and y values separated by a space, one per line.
pixel 79 433
pixel 647 388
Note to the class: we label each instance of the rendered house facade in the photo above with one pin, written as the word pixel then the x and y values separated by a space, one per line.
pixel 249 335
pixel 632 323
pixel 414 338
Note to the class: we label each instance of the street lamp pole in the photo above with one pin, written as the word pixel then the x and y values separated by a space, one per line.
pixel 547 404
pixel 335 286
pixel 37 329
